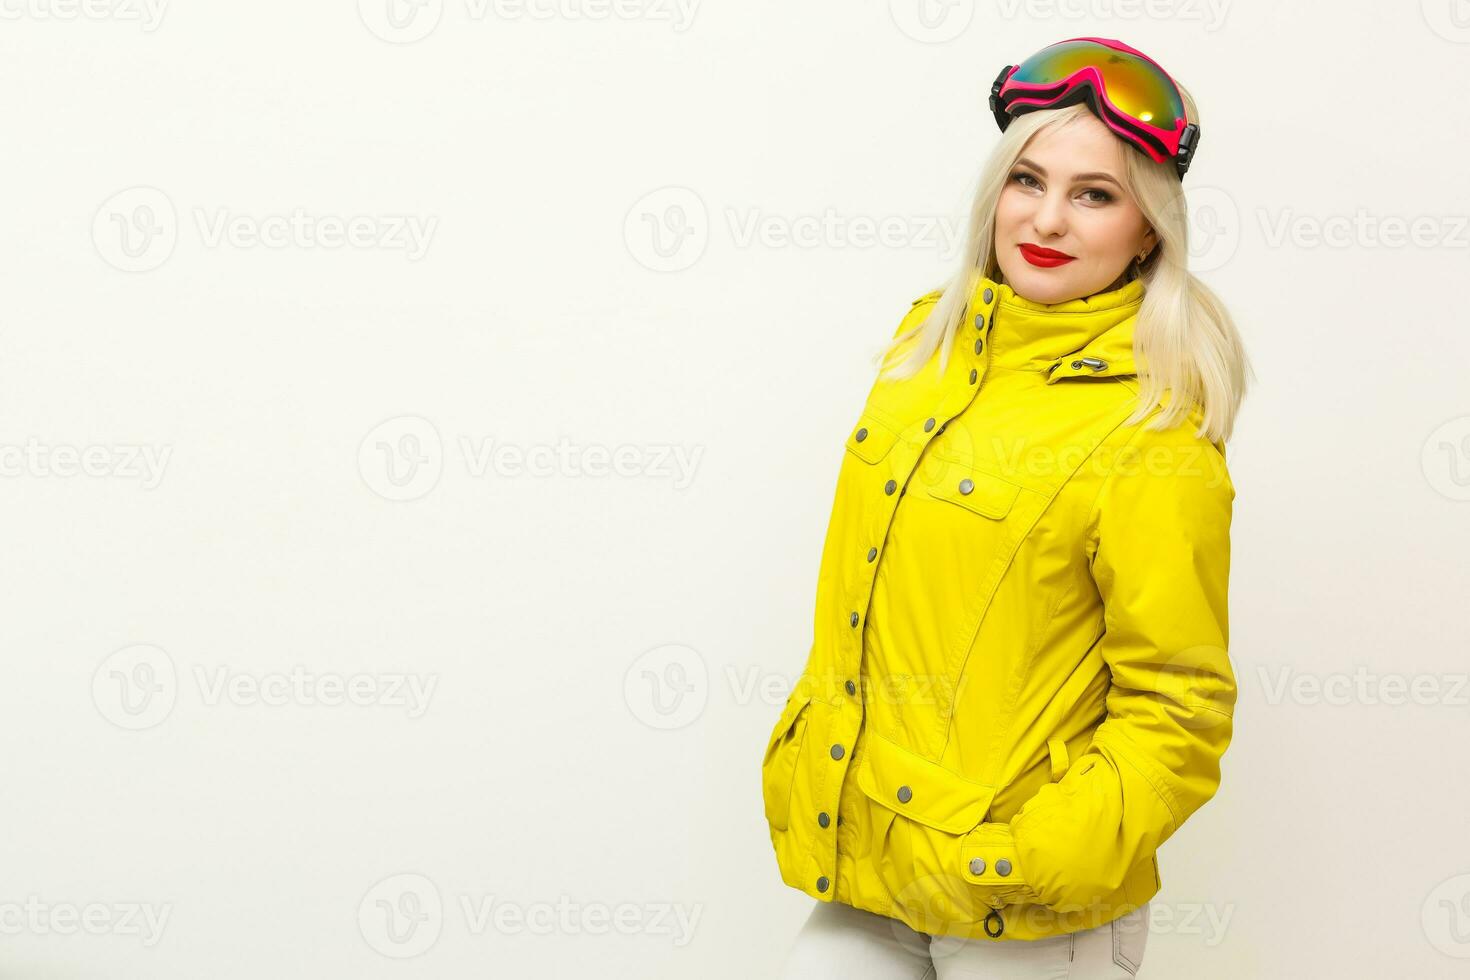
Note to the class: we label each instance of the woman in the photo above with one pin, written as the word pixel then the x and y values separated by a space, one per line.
pixel 1018 686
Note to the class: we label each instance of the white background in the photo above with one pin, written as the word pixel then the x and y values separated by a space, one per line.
pixel 607 650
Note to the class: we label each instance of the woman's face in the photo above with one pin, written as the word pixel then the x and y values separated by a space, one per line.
pixel 1066 195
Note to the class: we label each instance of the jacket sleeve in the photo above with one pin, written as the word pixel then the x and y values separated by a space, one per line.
pixel 1159 548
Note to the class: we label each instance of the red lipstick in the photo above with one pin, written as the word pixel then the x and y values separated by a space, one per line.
pixel 1047 258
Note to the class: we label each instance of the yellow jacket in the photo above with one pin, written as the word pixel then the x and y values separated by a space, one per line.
pixel 1018 686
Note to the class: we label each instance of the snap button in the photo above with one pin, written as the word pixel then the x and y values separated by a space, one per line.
pixel 872 553
pixel 889 487
pixel 837 751
pixel 980 320
pixel 977 866
pixel 988 295
pixel 853 619
pixel 905 794
pixel 973 375
pixel 823 819
pixel 978 345
pixel 822 883
pixel 851 687
pixel 966 485
pixel 1002 867
pixel 928 425
pixel 863 433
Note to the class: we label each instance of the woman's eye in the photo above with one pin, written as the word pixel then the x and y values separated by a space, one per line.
pixel 1103 197
pixel 1022 178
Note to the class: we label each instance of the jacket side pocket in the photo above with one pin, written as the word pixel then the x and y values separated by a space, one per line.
pixel 778 768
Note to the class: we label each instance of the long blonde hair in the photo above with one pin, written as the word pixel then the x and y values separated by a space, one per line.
pixel 1185 341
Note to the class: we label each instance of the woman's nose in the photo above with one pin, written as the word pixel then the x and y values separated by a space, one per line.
pixel 1050 217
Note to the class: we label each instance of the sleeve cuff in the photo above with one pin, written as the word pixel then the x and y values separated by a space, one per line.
pixel 991 866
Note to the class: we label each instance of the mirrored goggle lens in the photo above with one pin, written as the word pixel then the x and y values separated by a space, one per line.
pixel 1135 86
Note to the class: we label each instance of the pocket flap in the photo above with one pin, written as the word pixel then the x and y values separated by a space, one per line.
pixel 975 490
pixel 921 790
pixel 871 439
pixel 794 704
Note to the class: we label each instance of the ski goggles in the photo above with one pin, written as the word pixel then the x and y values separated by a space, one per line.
pixel 1122 86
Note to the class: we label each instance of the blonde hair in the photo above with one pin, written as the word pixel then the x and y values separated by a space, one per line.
pixel 1185 342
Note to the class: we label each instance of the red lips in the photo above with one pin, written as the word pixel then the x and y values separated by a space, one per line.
pixel 1047 258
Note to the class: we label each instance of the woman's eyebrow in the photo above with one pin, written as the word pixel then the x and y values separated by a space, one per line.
pixel 1092 175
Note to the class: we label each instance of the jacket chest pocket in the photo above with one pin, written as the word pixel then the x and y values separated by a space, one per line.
pixel 871 439
pixel 975 490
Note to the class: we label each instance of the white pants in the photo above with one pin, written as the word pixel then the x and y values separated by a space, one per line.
pixel 839 942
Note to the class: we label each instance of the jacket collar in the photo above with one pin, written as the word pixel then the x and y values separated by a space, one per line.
pixel 1087 337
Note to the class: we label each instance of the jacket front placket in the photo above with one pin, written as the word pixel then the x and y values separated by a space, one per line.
pixel 951 395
